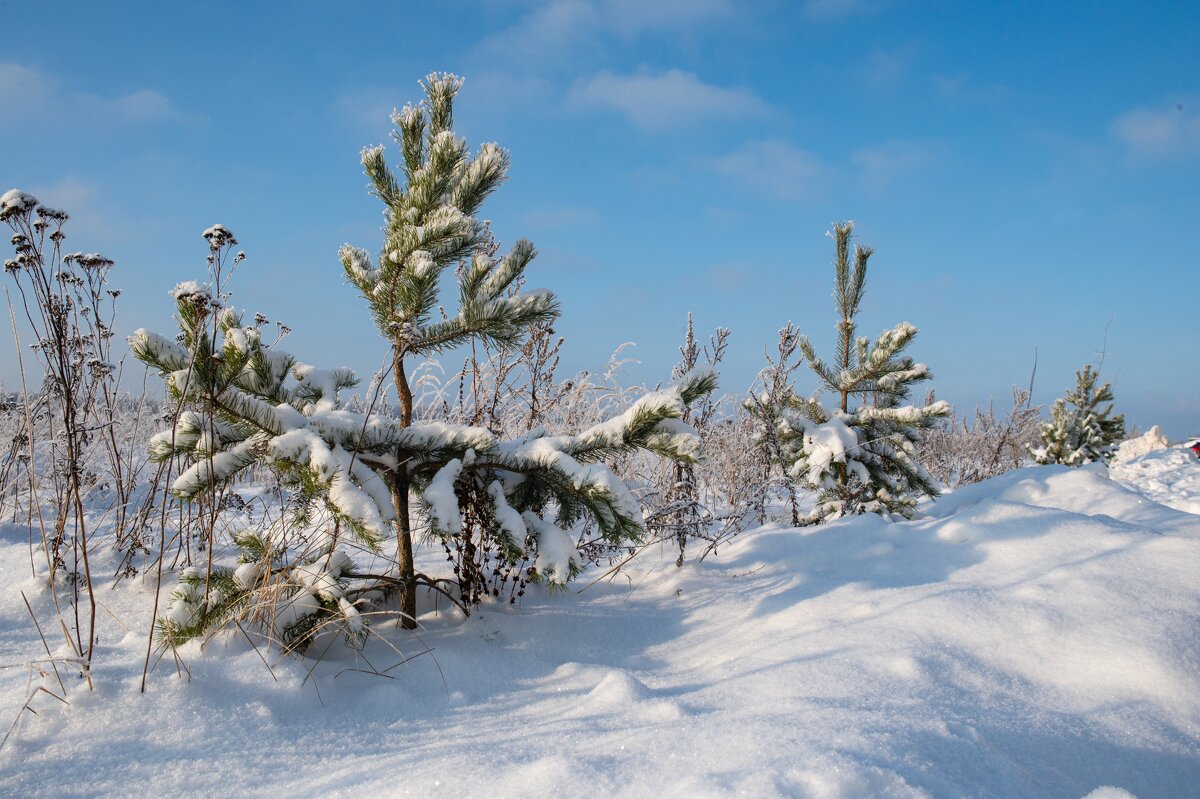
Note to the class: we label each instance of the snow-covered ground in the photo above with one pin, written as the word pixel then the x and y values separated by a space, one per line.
pixel 1035 635
pixel 1170 476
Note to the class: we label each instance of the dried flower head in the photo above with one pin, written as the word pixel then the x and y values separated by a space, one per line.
pixel 14 203
pixel 52 214
pixel 219 236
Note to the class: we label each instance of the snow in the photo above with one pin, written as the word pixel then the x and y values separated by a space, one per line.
pixel 187 288
pixel 826 444
pixel 556 551
pixel 1149 441
pixel 512 525
pixel 1167 476
pixel 219 235
pixel 1034 635
pixel 15 201
pixel 440 497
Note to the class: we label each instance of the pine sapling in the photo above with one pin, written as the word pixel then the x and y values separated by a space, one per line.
pixel 353 473
pixel 859 455
pixel 1080 430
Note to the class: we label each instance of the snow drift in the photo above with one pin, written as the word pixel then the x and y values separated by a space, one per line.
pixel 1033 635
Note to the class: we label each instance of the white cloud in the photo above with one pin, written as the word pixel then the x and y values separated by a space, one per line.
pixel 1159 133
pixel 96 221
pixel 888 68
pixel 881 164
pixel 35 94
pixel 551 29
pixel 70 194
pixel 664 100
pixel 962 88
pixel 22 87
pixel 632 17
pixel 773 166
pixel 562 27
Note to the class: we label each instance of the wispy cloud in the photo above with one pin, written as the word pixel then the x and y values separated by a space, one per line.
pixel 656 101
pixel 561 27
pixel 773 166
pixel 882 164
pixel 36 94
pixel 1159 133
pixel 632 17
pixel 549 30
pixel 96 219
pixel 962 88
pixel 889 68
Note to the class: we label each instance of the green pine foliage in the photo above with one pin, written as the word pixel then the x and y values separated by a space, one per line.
pixel 430 205
pixel 860 454
pixel 367 478
pixel 290 603
pixel 1080 430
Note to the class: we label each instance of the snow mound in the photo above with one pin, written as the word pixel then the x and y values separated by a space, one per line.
pixel 1169 476
pixel 1034 635
pixel 1149 441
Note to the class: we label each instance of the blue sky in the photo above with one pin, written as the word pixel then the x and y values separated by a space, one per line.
pixel 1029 173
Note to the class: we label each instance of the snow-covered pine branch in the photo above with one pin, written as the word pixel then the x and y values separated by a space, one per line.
pixel 248 404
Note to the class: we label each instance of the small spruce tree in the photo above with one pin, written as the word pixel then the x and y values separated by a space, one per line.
pixel 1080 430
pixel 859 455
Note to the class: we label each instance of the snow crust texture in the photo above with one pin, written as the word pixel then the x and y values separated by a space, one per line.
pixel 1035 635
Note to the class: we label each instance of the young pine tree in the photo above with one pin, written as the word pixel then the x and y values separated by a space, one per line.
pixel 859 454
pixel 1080 430
pixel 429 210
pixel 245 404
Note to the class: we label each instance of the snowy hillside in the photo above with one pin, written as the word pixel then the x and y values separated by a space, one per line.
pixel 1034 635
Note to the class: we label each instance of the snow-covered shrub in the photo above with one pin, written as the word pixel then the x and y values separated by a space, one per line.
pixel 765 408
pixel 963 451
pixel 860 458
pixel 1080 430
pixel 678 511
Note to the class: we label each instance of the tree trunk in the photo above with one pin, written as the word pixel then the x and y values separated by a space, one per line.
pixel 400 485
